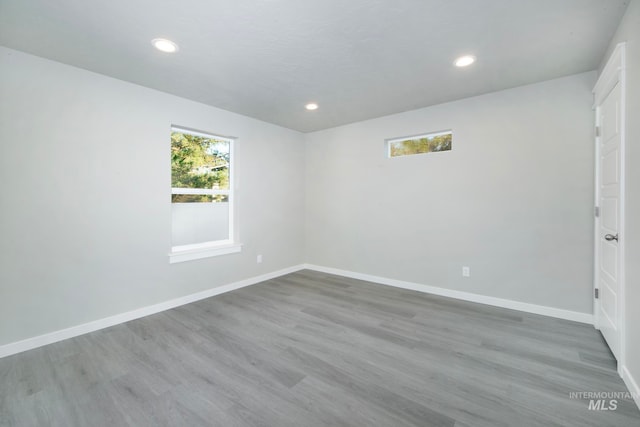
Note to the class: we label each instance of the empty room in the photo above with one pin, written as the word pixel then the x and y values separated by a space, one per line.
pixel 320 213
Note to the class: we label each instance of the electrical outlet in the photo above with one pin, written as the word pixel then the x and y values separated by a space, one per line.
pixel 259 259
pixel 466 272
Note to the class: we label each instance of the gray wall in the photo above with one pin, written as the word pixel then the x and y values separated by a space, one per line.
pixel 86 222
pixel 85 215
pixel 513 200
pixel 629 31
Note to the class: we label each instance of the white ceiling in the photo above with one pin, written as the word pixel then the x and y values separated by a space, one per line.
pixel 358 59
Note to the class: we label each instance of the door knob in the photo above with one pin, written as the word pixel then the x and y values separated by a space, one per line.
pixel 610 237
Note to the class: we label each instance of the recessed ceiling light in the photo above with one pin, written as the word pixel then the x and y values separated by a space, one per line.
pixel 311 106
pixel 465 61
pixel 164 45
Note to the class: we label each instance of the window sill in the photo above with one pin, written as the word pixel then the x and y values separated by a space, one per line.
pixel 182 253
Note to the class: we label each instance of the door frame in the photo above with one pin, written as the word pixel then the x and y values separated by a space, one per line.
pixel 612 74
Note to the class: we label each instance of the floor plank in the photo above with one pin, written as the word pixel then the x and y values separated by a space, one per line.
pixel 313 349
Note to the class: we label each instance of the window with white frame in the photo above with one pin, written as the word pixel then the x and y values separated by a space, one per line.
pixel 420 144
pixel 201 195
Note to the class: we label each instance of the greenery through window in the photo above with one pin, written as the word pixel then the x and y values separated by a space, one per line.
pixel 428 143
pixel 199 168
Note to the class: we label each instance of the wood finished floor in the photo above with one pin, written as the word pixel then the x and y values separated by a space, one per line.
pixel 312 349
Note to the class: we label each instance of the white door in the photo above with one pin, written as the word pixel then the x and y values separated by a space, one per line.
pixel 608 226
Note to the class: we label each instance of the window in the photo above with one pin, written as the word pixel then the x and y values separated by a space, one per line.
pixel 201 195
pixel 420 144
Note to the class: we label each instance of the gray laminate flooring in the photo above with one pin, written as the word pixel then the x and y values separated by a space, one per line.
pixel 312 349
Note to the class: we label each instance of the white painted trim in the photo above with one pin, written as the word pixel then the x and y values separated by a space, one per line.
pixel 203 191
pixel 419 136
pixel 231 196
pixel 202 250
pixel 177 254
pixel 631 384
pixel 202 133
pixel 465 296
pixel 613 73
pixel 389 141
pixel 623 208
pixel 74 331
pixel 610 75
pixel 596 222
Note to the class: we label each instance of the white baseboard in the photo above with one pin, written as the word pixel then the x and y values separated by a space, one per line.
pixel 74 331
pixel 465 296
pixel 631 384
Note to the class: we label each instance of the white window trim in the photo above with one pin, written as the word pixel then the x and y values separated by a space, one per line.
pixel 390 141
pixel 203 250
pixel 198 191
pixel 217 247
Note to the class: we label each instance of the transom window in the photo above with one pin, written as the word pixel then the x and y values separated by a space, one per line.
pixel 420 144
